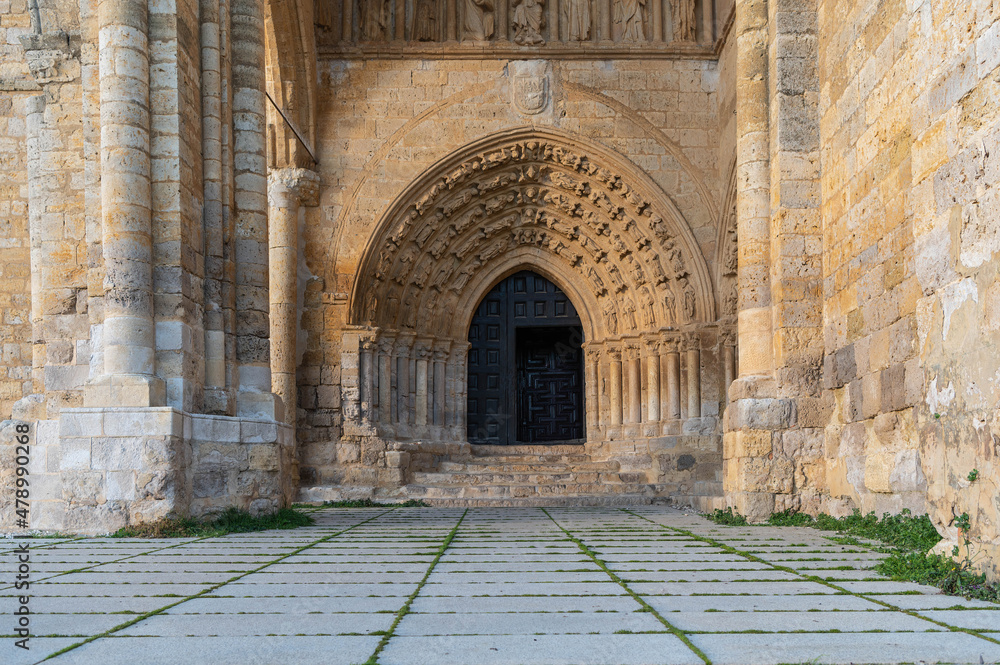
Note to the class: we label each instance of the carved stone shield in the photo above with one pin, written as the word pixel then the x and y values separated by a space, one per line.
pixel 530 93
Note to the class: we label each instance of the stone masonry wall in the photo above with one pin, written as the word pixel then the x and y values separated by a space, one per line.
pixel 911 168
pixel 382 123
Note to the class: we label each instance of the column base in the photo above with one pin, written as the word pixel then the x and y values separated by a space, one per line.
pixel 125 390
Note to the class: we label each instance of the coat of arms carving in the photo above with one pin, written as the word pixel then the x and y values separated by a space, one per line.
pixel 530 94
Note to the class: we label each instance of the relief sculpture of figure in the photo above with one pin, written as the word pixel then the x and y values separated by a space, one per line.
pixel 528 22
pixel 670 304
pixel 374 20
pixel 424 28
pixel 685 21
pixel 576 18
pixel 690 307
pixel 611 316
pixel 628 17
pixel 478 19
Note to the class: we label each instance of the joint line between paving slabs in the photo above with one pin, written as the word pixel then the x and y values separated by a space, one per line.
pixel 677 632
pixel 405 609
pixel 210 589
pixel 814 578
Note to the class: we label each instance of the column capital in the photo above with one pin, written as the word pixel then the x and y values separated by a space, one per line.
pixel 303 184
pixel 51 57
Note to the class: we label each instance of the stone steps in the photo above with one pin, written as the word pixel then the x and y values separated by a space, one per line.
pixel 462 479
pixel 493 466
pixel 569 491
pixel 550 501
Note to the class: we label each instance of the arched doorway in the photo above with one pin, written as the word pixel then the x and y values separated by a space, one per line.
pixel 525 365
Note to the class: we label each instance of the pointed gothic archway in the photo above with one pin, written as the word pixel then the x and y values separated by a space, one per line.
pixel 570 210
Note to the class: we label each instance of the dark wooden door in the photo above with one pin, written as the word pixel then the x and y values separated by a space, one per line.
pixel 525 370
pixel 549 385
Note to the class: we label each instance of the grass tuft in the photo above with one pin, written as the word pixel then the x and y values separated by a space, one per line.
pixel 231 520
pixel 727 517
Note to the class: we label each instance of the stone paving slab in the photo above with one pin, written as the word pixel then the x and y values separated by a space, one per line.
pixel 524 623
pixel 507 575
pixel 304 650
pixel 660 649
pixel 259 624
pixel 751 649
pixel 976 619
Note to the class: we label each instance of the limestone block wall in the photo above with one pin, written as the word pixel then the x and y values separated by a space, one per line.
pixel 15 265
pixel 910 134
pixel 384 122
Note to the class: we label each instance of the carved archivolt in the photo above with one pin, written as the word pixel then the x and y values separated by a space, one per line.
pixel 546 198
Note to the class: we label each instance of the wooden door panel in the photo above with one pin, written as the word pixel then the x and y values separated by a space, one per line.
pixel 544 402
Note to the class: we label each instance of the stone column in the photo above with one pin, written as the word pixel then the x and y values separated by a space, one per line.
pixel 216 398
pixel 615 386
pixel 404 342
pixel 728 364
pixel 128 333
pixel 250 165
pixel 592 354
pixel 754 198
pixel 634 411
pixel 673 380
pixel 385 396
pixel 460 382
pixel 440 381
pixel 652 347
pixel 422 355
pixel 366 376
pixel 287 190
pixel 693 377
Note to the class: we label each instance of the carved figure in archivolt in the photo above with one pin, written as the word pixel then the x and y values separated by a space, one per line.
pixel 648 315
pixel 628 20
pixel 611 316
pixel 685 20
pixel 529 21
pixel 732 299
pixel 424 28
pixel 628 315
pixel 576 18
pixel 374 20
pixel 670 304
pixel 689 298
pixel 675 258
pixel 479 19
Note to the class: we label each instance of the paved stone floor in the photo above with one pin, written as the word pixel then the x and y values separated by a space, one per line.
pixel 444 586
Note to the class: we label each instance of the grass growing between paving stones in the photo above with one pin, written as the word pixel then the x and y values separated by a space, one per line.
pixel 405 609
pixel 907 539
pixel 208 591
pixel 231 520
pixel 368 503
pixel 818 580
pixel 645 607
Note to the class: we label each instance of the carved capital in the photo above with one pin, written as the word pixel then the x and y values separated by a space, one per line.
pixel 51 57
pixel 291 185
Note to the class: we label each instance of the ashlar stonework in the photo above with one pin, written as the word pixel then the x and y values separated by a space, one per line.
pixel 244 245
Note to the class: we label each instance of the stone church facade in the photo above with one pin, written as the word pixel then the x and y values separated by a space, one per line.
pixel 501 252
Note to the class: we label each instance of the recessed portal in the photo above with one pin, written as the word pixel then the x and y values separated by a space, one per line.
pixel 525 365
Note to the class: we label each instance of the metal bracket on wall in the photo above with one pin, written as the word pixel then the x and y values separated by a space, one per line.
pixel 291 125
